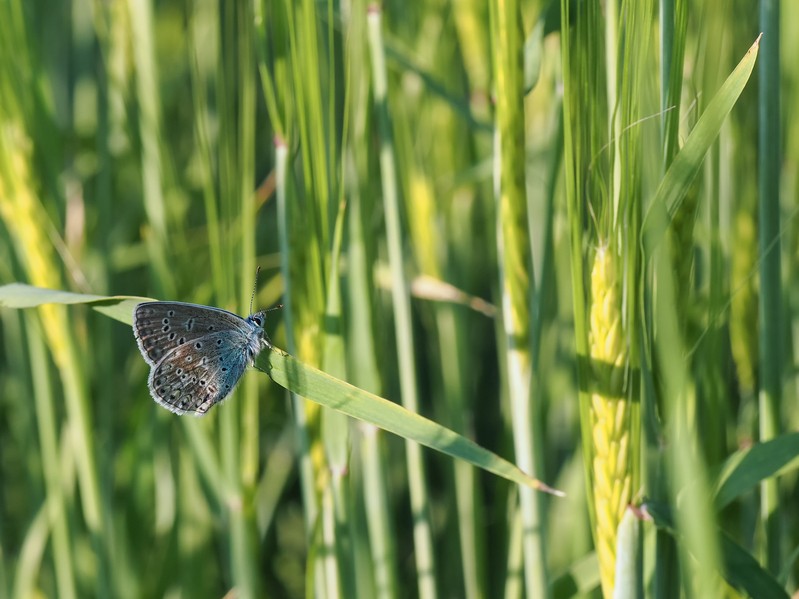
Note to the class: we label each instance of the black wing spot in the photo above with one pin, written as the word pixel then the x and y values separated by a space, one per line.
pixel 166 320
pixel 181 341
pixel 172 336
pixel 202 382
pixel 165 328
pixel 198 345
pixel 189 358
pixel 219 342
pixel 170 313
pixel 224 369
pixel 210 327
pixel 179 371
pixel 189 324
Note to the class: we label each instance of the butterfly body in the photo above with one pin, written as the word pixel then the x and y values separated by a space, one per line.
pixel 197 353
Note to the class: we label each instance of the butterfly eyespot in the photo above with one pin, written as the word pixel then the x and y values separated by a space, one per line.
pixel 165 328
pixel 172 336
pixel 179 371
pixel 224 369
pixel 189 324
pixel 210 327
pixel 189 358
pixel 202 382
pixel 181 341
pixel 183 377
pixel 165 321
pixel 170 313
pixel 219 342
pixel 198 345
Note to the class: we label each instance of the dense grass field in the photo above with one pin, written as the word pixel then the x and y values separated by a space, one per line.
pixel 565 233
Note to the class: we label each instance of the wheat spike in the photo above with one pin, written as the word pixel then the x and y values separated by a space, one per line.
pixel 610 411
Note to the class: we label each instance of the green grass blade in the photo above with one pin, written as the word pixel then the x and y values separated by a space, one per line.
pixel 746 468
pixel 330 392
pixel 682 171
pixel 20 295
pixel 740 568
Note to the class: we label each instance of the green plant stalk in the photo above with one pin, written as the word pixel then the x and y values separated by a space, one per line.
pixel 467 491
pixel 141 23
pixel 424 213
pixel 381 537
pixel 48 440
pixel 422 530
pixel 574 152
pixel 309 117
pixel 24 216
pixel 309 498
pixel 234 85
pixel 318 142
pixel 516 279
pixel 673 32
pixel 267 81
pixel 514 583
pixel 247 218
pixel 201 123
pixel 29 562
pixel 770 305
pixel 332 583
pixel 361 340
pixel 336 426
pixel 688 476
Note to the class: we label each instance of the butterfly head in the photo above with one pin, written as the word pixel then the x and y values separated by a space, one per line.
pixel 258 319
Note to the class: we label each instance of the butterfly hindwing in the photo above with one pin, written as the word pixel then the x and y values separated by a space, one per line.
pixel 195 376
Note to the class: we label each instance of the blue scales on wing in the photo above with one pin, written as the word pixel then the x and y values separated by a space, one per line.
pixel 195 376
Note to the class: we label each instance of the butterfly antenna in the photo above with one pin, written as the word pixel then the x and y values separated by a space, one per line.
pixel 254 287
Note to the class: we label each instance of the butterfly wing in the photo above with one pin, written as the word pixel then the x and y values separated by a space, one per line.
pixel 160 327
pixel 195 376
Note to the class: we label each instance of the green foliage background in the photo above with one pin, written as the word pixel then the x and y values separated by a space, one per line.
pixel 426 202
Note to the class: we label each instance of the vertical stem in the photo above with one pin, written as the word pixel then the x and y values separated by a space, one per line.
pixel 770 304
pixel 516 280
pixel 400 293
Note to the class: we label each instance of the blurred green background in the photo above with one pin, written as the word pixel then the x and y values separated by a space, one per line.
pixel 427 188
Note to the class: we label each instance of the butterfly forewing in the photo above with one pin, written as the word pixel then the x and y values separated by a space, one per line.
pixel 195 376
pixel 160 327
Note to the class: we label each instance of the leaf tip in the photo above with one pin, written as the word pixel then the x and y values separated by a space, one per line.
pixel 544 488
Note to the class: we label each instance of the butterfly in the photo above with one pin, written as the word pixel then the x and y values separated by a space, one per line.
pixel 197 353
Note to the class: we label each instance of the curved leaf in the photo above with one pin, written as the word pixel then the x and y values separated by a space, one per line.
pixel 308 382
pixel 683 170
